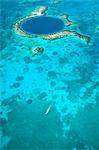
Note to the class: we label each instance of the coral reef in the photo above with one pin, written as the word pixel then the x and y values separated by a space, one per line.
pixel 41 11
pixel 37 50
pixel 66 33
pixel 29 101
pixel 67 20
pixel 56 2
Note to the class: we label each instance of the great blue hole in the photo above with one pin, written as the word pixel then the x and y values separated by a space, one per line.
pixel 42 25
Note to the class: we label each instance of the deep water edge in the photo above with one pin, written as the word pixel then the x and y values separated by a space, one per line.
pixel 49 88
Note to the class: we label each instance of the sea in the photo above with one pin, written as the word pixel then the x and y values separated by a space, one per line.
pixel 49 101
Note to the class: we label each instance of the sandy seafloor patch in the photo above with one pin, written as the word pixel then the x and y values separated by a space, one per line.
pixel 65 75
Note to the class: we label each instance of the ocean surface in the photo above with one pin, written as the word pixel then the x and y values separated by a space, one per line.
pixel 49 101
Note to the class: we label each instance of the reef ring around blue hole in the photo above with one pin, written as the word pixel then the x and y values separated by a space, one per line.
pixel 42 25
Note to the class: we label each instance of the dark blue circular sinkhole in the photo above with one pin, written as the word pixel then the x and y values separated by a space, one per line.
pixel 42 25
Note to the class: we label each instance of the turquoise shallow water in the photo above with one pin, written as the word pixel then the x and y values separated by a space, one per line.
pixel 64 78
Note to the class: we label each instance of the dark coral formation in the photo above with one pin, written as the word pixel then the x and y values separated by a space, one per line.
pixel 29 101
pixel 51 74
pixel 41 96
pixel 3 122
pixel 19 78
pixel 97 28
pixel 15 85
pixel 37 50
pixel 27 60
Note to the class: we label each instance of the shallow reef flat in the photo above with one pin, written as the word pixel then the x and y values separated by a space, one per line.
pixel 41 12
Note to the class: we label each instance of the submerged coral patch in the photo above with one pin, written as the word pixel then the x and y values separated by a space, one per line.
pixel 29 101
pixel 37 50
